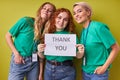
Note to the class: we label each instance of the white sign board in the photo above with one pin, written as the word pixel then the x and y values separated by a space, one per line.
pixel 60 44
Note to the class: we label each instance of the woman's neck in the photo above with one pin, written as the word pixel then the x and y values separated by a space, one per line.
pixel 85 24
pixel 59 30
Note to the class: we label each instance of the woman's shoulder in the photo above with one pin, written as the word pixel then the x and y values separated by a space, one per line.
pixel 28 18
pixel 99 25
pixel 25 18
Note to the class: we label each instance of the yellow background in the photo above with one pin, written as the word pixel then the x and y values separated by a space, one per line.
pixel 107 11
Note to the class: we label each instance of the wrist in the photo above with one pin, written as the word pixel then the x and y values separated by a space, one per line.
pixel 41 60
pixel 41 52
pixel 41 55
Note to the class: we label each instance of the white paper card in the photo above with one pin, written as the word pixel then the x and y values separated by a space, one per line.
pixel 34 57
pixel 60 44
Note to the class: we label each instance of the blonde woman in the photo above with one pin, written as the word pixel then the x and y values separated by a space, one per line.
pixel 101 48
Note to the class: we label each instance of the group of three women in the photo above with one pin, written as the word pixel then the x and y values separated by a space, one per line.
pixel 97 47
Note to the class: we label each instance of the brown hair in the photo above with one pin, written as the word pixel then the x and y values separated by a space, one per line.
pixel 39 25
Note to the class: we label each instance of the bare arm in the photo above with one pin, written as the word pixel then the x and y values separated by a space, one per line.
pixel 112 56
pixel 18 59
pixel 10 43
pixel 40 48
pixel 41 70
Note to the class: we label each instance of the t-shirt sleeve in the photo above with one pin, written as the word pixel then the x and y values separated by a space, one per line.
pixel 105 35
pixel 17 27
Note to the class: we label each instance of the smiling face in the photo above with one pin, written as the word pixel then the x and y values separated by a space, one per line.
pixel 81 15
pixel 61 21
pixel 46 11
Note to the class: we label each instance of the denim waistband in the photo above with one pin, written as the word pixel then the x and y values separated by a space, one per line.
pixel 66 63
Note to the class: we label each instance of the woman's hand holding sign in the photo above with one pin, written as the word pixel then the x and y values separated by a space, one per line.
pixel 80 50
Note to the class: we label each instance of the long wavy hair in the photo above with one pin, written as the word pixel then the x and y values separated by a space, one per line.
pixel 39 24
pixel 70 26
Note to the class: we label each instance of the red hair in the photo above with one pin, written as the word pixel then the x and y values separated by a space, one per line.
pixel 70 26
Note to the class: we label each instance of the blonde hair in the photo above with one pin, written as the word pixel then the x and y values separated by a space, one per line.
pixel 85 5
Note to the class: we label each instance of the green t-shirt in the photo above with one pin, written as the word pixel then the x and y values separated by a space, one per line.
pixel 97 39
pixel 23 33
pixel 60 58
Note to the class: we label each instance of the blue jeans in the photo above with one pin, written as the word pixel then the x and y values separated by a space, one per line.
pixel 20 71
pixel 61 72
pixel 92 76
